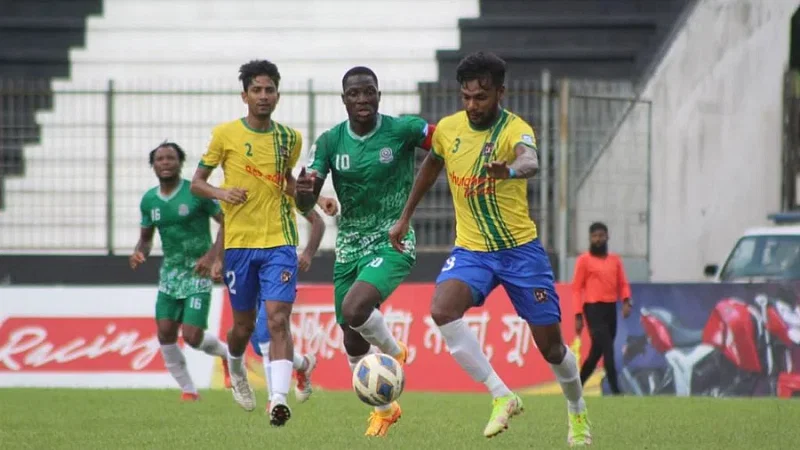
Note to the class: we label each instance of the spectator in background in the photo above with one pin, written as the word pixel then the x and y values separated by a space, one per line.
pixel 598 284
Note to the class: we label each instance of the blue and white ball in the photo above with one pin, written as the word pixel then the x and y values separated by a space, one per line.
pixel 378 379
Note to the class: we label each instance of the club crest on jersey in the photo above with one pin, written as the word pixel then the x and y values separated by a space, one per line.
pixel 488 148
pixel 286 276
pixel 183 209
pixel 283 151
pixel 528 139
pixel 386 155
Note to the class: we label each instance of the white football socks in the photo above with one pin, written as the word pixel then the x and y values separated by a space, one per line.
pixel 569 378
pixel 299 362
pixel 212 346
pixel 281 377
pixel 264 347
pixel 466 350
pixel 236 365
pixel 176 365
pixel 376 332
pixel 353 360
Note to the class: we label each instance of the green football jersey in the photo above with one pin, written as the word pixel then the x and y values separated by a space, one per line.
pixel 182 220
pixel 372 176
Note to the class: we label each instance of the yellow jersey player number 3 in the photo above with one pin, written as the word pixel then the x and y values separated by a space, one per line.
pixel 257 155
pixel 489 153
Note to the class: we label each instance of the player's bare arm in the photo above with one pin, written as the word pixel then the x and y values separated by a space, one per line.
pixel 525 165
pixel 205 263
pixel 430 170
pixel 308 188
pixel 202 188
pixel 143 247
pixel 314 240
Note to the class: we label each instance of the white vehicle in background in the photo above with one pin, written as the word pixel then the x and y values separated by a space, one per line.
pixel 763 253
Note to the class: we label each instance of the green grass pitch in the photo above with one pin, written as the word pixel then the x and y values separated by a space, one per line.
pixel 155 419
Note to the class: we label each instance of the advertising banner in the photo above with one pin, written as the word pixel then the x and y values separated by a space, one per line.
pixel 505 338
pixel 89 337
pixel 711 340
pixel 681 339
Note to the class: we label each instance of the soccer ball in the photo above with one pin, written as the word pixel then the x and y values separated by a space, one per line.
pixel 378 379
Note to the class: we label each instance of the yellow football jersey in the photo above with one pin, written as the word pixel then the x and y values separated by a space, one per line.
pixel 491 214
pixel 256 161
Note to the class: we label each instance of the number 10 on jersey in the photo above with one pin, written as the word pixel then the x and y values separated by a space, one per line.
pixel 342 162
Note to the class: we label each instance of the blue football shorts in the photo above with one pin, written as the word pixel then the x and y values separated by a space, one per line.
pixel 524 271
pixel 265 274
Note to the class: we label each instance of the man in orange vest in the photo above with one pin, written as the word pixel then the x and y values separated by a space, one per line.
pixel 598 284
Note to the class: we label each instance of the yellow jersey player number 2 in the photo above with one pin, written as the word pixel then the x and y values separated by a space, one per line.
pixel 489 153
pixel 257 155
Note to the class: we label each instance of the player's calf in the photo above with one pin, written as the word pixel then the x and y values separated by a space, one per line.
pixel 360 312
pixel 238 337
pixel 281 349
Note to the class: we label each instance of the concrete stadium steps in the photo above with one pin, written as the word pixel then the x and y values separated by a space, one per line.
pixel 575 7
pixel 35 36
pixel 171 51
pixel 499 33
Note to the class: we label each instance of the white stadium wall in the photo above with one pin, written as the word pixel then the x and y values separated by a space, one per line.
pixel 151 49
pixel 716 137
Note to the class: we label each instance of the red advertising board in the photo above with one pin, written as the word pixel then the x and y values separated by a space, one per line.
pixel 505 338
pixel 79 344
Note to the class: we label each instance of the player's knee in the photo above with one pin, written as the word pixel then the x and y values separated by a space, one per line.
pixel 167 336
pixel 355 314
pixel 193 336
pixel 441 315
pixel 359 303
pixel 451 300
pixel 354 343
pixel 554 353
pixel 278 324
pixel 243 328
pixel 444 311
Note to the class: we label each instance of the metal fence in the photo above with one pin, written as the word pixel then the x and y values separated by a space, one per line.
pixel 73 160
pixel 791 141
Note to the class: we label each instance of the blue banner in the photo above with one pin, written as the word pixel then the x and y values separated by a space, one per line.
pixel 711 340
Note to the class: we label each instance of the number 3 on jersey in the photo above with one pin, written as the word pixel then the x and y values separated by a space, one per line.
pixel 342 162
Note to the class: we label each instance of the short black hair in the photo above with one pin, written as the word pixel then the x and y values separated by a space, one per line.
pixel 481 65
pixel 359 70
pixel 256 68
pixel 598 226
pixel 172 145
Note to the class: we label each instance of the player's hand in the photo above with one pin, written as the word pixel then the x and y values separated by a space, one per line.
pixel 216 270
pixel 291 183
pixel 136 259
pixel 397 233
pixel 497 169
pixel 626 309
pixel 305 181
pixel 304 262
pixel 234 196
pixel 578 324
pixel 203 265
pixel 328 205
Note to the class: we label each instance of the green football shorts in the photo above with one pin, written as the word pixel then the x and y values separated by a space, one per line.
pixel 385 269
pixel 192 310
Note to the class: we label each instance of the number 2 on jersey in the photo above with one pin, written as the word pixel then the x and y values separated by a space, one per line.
pixel 249 148
pixel 342 162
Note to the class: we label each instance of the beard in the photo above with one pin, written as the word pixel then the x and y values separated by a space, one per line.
pixel 599 249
